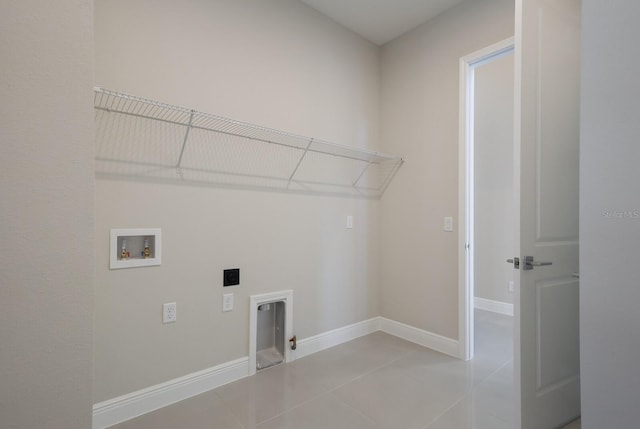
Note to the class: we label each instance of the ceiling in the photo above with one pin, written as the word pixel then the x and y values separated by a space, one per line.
pixel 381 21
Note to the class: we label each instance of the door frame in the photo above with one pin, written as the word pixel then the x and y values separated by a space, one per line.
pixel 466 191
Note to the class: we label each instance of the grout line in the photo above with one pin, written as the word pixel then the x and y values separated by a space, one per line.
pixel 366 417
pixel 475 387
pixel 373 370
pixel 340 386
pixel 409 353
pixel 231 411
pixel 446 410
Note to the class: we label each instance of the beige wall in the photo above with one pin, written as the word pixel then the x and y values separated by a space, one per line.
pixel 609 215
pixel 494 204
pixel 419 119
pixel 278 64
pixel 46 214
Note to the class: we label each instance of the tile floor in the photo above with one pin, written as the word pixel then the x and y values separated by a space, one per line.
pixel 574 425
pixel 374 382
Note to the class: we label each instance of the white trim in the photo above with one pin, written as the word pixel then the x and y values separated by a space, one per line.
pixel 419 336
pixel 465 323
pixel 335 337
pixel 126 407
pixel 494 306
pixel 254 302
pixel 129 406
pixel 490 53
pixel 465 189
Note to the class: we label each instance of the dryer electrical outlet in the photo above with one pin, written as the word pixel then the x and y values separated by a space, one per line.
pixel 231 277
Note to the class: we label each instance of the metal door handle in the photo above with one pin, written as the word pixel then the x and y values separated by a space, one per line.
pixel 529 263
pixel 515 262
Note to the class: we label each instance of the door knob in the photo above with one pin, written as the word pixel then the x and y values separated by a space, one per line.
pixel 515 262
pixel 529 263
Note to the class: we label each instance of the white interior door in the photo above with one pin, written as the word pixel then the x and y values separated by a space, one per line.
pixel 546 165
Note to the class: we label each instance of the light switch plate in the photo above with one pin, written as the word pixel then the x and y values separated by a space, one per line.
pixel 349 222
pixel 227 302
pixel 448 224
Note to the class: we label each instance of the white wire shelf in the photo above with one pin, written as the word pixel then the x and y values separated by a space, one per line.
pixel 141 139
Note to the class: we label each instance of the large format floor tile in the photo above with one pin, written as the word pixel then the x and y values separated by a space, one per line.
pixel 325 412
pixel 391 398
pixel 466 416
pixel 488 405
pixel 374 382
pixel 270 392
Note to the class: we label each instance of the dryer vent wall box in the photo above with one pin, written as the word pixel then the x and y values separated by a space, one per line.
pixel 270 339
pixel 231 277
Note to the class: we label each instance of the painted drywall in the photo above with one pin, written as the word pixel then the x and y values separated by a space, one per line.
pixel 419 119
pixel 46 214
pixel 494 204
pixel 279 64
pixel 609 215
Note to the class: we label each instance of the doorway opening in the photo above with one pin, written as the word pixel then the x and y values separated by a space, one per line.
pixel 485 187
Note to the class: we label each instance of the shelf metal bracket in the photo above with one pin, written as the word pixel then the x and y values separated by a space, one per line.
pixel 362 173
pixel 306 150
pixel 184 143
pixel 391 176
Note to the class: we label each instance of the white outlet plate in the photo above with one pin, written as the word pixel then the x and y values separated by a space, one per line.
pixel 349 222
pixel 227 302
pixel 448 224
pixel 169 312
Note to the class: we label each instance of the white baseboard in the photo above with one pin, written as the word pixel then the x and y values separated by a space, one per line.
pixel 495 306
pixel 335 337
pixel 143 401
pixel 419 336
pixel 135 404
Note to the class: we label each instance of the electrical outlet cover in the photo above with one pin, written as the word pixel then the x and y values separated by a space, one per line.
pixel 169 312
pixel 349 222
